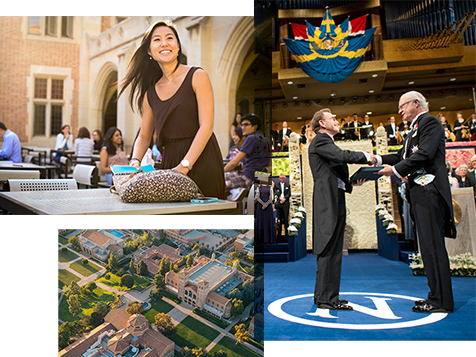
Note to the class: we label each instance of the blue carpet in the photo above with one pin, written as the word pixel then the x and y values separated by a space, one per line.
pixel 382 293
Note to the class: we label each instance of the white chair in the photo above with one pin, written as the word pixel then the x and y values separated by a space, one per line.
pixel 19 174
pixel 86 175
pixel 42 185
pixel 6 175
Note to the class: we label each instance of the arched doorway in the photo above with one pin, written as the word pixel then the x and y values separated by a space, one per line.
pixel 109 112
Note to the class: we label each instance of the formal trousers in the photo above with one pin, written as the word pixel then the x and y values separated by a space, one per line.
pixel 329 261
pixel 429 209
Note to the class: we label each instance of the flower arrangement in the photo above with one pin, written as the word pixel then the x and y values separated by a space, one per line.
pixel 292 230
pixel 296 222
pixel 460 265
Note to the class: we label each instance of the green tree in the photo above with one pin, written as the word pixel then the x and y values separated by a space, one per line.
pixel 96 319
pixel 74 288
pixel 164 324
pixel 190 260
pixel 84 261
pixel 134 307
pixel 235 294
pixel 127 280
pixel 101 308
pixel 248 291
pixel 156 294
pixel 74 306
pixel 237 308
pixel 142 269
pixel 220 353
pixel 164 267
pixel 74 241
pixel 159 282
pixel 112 263
pixel 241 333
pixel 132 268
pixel 195 352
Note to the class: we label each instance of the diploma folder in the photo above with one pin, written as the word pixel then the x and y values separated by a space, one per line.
pixel 368 173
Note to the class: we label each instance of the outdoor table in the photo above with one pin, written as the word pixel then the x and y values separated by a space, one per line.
pixel 102 201
pixel 8 165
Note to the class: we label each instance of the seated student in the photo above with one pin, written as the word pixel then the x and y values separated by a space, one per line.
pixel 113 153
pixel 83 146
pixel 237 143
pixel 11 148
pixel 255 153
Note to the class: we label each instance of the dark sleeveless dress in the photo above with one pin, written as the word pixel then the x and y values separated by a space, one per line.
pixel 176 123
pixel 265 227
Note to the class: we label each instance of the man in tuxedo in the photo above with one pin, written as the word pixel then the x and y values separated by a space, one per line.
pixel 282 194
pixel 284 137
pixel 367 131
pixel 471 176
pixel 331 181
pixel 391 130
pixel 352 128
pixel 422 161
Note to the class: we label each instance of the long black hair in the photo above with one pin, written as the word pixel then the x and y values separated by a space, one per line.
pixel 143 71
pixel 110 147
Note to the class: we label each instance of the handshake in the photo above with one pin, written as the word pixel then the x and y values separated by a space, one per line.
pixel 372 160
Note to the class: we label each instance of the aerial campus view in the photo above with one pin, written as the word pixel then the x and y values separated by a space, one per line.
pixel 150 293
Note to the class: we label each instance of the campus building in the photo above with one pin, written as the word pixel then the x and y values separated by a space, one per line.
pixel 121 334
pixel 59 70
pixel 152 256
pixel 205 285
pixel 100 244
pixel 185 236
pixel 244 242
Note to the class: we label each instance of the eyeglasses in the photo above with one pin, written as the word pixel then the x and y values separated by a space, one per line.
pixel 245 124
pixel 403 105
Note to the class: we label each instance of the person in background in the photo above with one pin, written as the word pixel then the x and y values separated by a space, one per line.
pixel 472 126
pixel 255 153
pixel 112 153
pixel 98 139
pixel 391 130
pixel 462 177
pixel 64 141
pixel 11 148
pixel 472 176
pixel 282 194
pixel 83 146
pixel 237 142
pixel 236 124
pixel 461 128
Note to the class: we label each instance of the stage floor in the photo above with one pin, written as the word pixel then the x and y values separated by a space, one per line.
pixel 382 293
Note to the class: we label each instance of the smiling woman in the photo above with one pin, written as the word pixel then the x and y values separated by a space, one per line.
pixel 176 101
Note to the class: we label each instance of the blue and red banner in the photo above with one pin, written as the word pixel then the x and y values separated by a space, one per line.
pixel 330 53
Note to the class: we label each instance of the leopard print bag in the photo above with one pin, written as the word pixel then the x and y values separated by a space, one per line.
pixel 156 186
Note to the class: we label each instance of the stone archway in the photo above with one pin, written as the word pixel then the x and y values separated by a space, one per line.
pixel 104 98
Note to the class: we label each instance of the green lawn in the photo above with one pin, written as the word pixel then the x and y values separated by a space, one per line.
pixel 193 333
pixel 66 257
pixel 87 304
pixel 65 278
pixel 62 240
pixel 85 269
pixel 232 349
pixel 115 282
pixel 157 306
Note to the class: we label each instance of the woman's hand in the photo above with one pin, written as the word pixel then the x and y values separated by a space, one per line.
pixel 135 163
pixel 181 169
